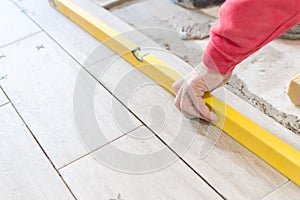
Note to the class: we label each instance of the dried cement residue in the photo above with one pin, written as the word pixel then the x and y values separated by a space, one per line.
pixel 237 86
pixel 194 31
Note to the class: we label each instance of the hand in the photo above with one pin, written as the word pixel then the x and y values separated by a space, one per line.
pixel 190 90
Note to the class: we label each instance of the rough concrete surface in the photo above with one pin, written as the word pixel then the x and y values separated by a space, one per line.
pixel 261 80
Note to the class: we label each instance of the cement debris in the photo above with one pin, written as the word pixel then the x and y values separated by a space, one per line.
pixel 239 88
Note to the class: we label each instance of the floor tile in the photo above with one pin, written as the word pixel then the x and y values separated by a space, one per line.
pixel 3 99
pixel 91 178
pixel 25 172
pixel 41 84
pixel 80 44
pixel 14 24
pixel 288 191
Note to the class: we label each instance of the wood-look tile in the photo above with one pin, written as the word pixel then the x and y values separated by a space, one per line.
pixel 3 99
pixel 91 179
pixel 288 191
pixel 78 43
pixel 25 171
pixel 41 84
pixel 14 24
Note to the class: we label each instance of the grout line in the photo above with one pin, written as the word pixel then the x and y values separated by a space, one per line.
pixel 187 164
pixel 36 140
pixel 98 61
pixel 98 148
pixel 275 189
pixel 20 39
pixel 2 105
pixel 201 177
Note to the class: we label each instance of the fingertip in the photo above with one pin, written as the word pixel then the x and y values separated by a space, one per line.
pixel 177 104
pixel 177 101
pixel 214 117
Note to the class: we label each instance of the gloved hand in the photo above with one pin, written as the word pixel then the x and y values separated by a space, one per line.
pixel 190 90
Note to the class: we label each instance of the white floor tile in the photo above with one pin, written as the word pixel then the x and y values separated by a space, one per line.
pixel 25 172
pixel 14 24
pixel 288 191
pixel 41 85
pixel 80 44
pixel 3 98
pixel 90 179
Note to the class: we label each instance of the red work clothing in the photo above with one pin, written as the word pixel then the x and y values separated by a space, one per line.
pixel 244 27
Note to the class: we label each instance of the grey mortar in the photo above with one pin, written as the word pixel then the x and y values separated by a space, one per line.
pixel 238 87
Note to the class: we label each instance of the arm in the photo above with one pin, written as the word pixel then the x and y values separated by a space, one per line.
pixel 245 26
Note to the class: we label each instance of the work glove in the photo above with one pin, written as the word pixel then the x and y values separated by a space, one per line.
pixel 190 90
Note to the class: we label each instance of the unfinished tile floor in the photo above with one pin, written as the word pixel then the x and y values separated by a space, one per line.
pixel 48 68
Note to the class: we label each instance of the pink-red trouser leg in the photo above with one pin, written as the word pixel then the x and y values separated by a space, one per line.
pixel 244 27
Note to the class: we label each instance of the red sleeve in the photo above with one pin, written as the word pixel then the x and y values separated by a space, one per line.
pixel 244 27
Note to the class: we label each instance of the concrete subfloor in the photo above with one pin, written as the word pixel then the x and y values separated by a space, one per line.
pixel 261 80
